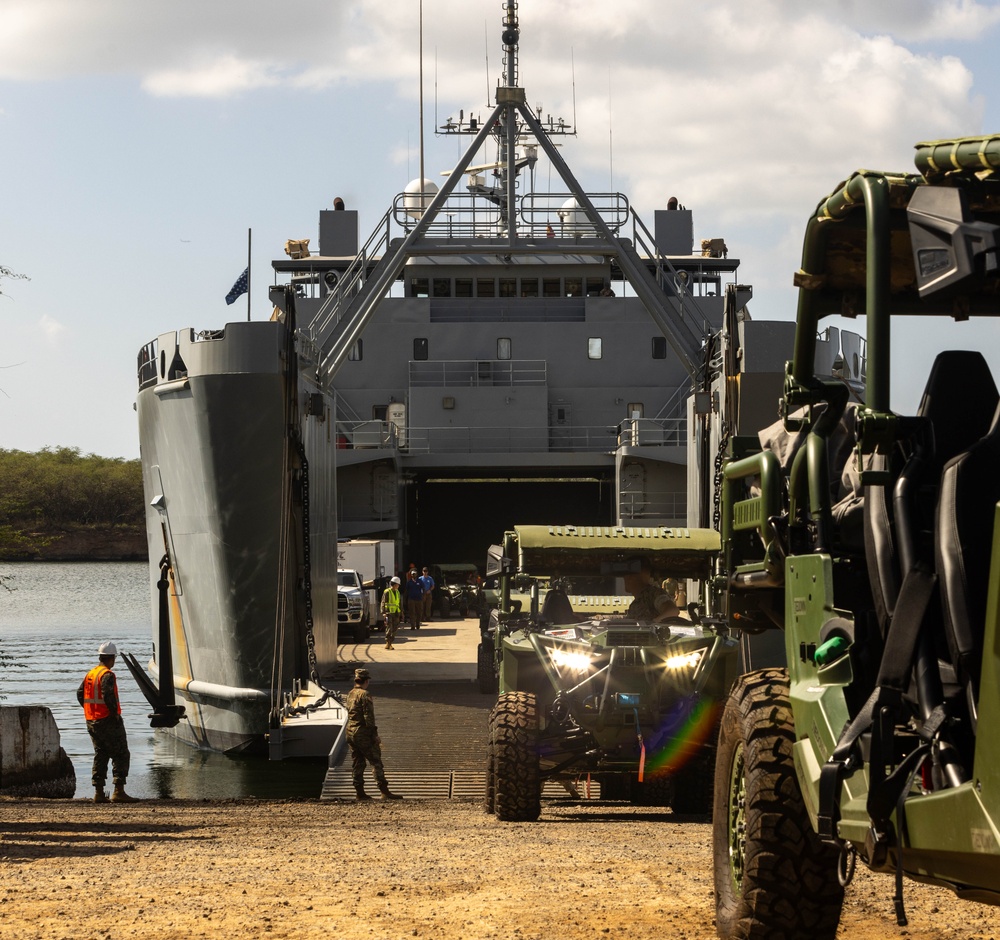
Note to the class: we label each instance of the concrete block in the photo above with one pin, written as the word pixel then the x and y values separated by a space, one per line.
pixel 32 761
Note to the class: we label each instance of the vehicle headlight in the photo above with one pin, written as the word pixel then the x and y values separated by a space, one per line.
pixel 573 661
pixel 684 661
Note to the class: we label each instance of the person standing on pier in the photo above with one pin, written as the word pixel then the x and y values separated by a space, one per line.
pixel 363 738
pixel 391 611
pixel 414 599
pixel 98 694
pixel 427 583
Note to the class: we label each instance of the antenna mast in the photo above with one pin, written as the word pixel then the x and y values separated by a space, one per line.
pixel 423 204
pixel 509 95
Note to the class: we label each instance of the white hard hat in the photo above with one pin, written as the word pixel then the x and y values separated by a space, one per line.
pixel 394 580
pixel 108 649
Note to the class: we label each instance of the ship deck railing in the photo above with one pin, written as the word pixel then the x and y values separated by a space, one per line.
pixel 471 215
pixel 554 438
pixel 653 432
pixel 652 505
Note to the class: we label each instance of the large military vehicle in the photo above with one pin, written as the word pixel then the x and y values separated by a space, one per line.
pixel 868 544
pixel 591 692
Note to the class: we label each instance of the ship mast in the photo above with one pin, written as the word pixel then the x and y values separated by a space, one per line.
pixel 508 171
pixel 344 316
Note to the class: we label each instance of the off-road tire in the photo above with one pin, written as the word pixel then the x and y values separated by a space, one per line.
pixel 361 631
pixel 490 796
pixel 693 783
pixel 774 878
pixel 445 607
pixel 514 733
pixel 653 791
pixel 486 670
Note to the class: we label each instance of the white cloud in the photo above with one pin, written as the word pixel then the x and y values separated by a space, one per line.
pixel 918 20
pixel 51 328
pixel 218 78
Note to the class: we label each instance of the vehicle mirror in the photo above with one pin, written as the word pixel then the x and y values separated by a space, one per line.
pixel 496 563
pixel 948 246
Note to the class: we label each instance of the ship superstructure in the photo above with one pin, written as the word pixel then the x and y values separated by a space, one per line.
pixel 504 347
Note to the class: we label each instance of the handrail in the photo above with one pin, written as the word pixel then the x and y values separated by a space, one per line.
pixel 330 310
pixel 754 512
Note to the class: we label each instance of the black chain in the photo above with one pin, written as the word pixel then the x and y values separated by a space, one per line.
pixel 307 561
pixel 720 460
pixel 307 588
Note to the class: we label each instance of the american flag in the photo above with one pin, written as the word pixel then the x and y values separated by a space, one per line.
pixel 240 287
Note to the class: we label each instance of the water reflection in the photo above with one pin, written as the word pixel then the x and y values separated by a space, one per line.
pixel 51 624
pixel 178 771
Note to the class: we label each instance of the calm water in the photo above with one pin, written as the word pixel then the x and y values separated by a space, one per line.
pixel 53 620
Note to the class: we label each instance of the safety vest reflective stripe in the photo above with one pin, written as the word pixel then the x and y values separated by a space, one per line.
pixel 93 701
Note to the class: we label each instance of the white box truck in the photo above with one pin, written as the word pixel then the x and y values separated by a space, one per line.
pixel 373 559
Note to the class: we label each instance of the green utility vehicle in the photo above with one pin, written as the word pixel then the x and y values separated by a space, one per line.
pixel 871 734
pixel 590 697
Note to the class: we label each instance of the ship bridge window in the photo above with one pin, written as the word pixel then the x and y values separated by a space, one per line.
pixel 574 287
pixel 529 286
pixel 486 287
pixel 508 287
pixel 594 347
pixel 659 347
pixel 357 352
pixel 503 347
pixel 420 348
pixel 419 287
pixel 594 286
pixel 463 286
pixel 551 287
pixel 442 287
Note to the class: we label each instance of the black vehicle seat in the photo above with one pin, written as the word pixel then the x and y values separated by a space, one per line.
pixel 970 490
pixel 556 608
pixel 958 402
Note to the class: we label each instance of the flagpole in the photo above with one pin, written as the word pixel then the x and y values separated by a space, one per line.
pixel 249 256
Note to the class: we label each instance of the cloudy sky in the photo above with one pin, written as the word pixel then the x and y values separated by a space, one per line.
pixel 140 141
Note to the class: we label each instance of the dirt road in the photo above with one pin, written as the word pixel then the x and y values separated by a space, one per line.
pixel 174 869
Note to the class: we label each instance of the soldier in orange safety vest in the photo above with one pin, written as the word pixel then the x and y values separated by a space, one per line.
pixel 98 694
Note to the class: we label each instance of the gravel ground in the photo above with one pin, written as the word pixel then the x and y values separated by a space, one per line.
pixel 180 869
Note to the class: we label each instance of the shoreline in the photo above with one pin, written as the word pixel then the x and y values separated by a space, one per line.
pixel 76 543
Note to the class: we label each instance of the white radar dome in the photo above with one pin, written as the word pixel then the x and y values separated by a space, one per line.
pixel 411 197
pixel 574 218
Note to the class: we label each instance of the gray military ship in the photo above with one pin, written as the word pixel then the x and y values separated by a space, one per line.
pixel 491 354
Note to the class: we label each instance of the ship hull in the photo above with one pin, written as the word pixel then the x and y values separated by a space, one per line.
pixel 218 469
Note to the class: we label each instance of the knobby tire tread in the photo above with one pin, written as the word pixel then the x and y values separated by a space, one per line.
pixel 514 734
pixel 789 887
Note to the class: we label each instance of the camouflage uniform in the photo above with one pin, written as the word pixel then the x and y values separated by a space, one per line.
pixel 644 605
pixel 362 738
pixel 108 736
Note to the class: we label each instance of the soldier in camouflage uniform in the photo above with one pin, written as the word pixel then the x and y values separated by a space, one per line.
pixel 647 593
pixel 363 739
pixel 98 694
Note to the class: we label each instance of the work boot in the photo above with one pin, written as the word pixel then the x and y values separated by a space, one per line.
pixel 388 646
pixel 388 795
pixel 120 796
pixel 99 795
pixel 361 794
